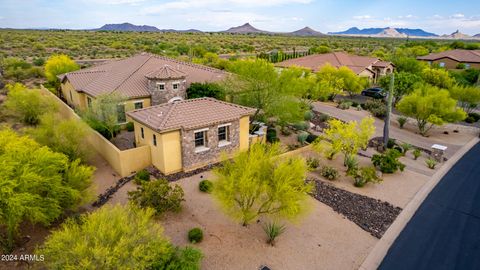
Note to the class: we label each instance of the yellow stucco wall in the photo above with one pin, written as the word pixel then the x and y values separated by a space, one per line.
pixel 244 133
pixel 74 98
pixel 123 162
pixel 167 154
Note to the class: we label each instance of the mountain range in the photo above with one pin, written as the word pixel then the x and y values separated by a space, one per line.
pixel 247 28
pixel 376 31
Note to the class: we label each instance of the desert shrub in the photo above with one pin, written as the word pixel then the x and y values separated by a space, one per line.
pixel 308 115
pixel 351 163
pixel 344 105
pixel 195 235
pixel 158 195
pixel 323 117
pixel 376 107
pixel 273 230
pixel 475 116
pixel 470 120
pixel 366 175
pixel 301 126
pixel 302 137
pixel 406 147
pixel 402 120
pixel 129 126
pixel 416 153
pixel 116 237
pixel 285 131
pixel 388 162
pixel 329 172
pixel 313 163
pixel 391 143
pixel 205 186
pixel 311 138
pixel 28 105
pixel 431 163
pixel 142 176
pixel 272 135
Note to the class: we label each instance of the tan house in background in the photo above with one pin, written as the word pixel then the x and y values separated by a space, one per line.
pixel 189 134
pixel 144 80
pixel 370 67
pixel 451 59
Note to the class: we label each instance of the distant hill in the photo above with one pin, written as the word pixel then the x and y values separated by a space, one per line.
pixel 477 36
pixel 391 32
pixel 245 29
pixel 377 31
pixel 306 32
pixel 128 27
pixel 457 35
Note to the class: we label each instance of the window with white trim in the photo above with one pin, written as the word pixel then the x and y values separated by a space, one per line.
pixel 160 86
pixel 224 133
pixel 176 86
pixel 200 138
pixel 138 105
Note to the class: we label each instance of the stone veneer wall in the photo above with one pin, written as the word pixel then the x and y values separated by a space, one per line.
pixel 160 97
pixel 192 160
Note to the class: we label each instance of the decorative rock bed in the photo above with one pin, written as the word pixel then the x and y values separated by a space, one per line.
pixel 372 215
pixel 177 176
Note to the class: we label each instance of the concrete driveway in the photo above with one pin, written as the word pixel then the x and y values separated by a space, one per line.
pixel 395 132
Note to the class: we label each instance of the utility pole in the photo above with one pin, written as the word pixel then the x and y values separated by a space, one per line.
pixel 386 127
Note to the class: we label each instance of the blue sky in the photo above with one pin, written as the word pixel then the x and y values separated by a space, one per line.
pixel 441 16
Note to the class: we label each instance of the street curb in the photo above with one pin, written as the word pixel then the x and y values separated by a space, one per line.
pixel 376 255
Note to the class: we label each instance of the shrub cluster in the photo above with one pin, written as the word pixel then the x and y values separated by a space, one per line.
pixel 142 176
pixel 313 163
pixel 158 195
pixel 344 105
pixel 388 162
pixel 366 175
pixel 329 172
pixel 376 107
pixel 195 235
pixel 272 135
pixel 205 186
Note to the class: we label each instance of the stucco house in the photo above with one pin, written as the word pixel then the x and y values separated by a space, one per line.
pixel 143 80
pixel 452 58
pixel 370 67
pixel 189 134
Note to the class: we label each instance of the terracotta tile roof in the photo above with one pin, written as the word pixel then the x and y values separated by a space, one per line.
pixel 466 56
pixel 189 114
pixel 128 76
pixel 382 64
pixel 166 72
pixel 337 59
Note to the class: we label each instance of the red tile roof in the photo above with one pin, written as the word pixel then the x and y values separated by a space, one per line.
pixel 465 56
pixel 337 59
pixel 189 114
pixel 128 76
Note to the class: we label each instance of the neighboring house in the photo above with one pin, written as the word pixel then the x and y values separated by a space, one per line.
pixel 143 80
pixel 451 59
pixel 364 66
pixel 190 134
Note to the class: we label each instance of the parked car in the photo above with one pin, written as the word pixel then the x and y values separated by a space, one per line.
pixel 375 92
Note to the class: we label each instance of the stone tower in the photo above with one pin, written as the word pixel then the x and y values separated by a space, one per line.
pixel 167 84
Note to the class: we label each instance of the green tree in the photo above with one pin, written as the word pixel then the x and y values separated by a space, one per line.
pixel 116 237
pixel 59 64
pixel 347 138
pixel 258 182
pixel 353 84
pixel 329 80
pixel 103 114
pixel 36 184
pixel 438 77
pixel 430 106
pixel 274 94
pixel 404 83
pixel 28 105
pixel 467 96
pixel 65 136
pixel 409 64
pixel 199 90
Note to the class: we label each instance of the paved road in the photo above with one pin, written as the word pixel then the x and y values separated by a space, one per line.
pixel 395 132
pixel 444 233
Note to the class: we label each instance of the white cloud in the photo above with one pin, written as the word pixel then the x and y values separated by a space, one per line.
pixel 458 16
pixel 362 17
